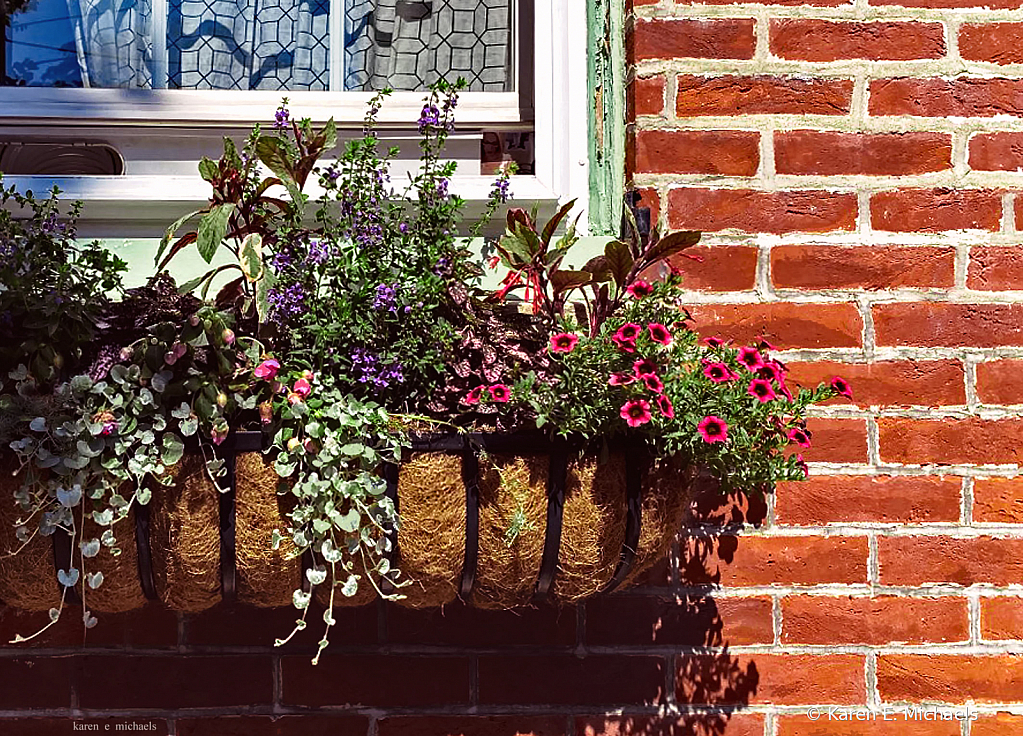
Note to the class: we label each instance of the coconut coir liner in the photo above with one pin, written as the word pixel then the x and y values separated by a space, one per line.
pixel 266 577
pixel 184 535
pixel 27 580
pixel 431 538
pixel 121 590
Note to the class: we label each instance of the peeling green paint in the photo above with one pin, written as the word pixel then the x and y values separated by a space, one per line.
pixel 605 65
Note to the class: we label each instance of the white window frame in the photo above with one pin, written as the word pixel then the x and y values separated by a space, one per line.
pixel 124 206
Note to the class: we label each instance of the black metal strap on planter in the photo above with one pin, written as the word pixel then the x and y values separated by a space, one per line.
pixel 237 442
pixel 471 481
pixel 62 560
pixel 144 552
pixel 391 472
pixel 556 476
pixel 634 465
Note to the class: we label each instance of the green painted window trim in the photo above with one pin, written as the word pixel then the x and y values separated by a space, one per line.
pixel 605 64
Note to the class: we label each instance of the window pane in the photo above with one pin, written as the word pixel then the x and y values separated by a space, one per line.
pixel 258 44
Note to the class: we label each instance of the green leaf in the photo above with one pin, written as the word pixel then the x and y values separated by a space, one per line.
pixel 209 170
pixel 250 257
pixel 171 230
pixel 173 449
pixel 189 426
pixel 352 449
pixel 213 230
pixel 263 287
pixel 274 156
pixel 349 522
pixel 619 261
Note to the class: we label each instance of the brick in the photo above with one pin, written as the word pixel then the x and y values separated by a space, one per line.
pixel 998 43
pixel 823 40
pixel 826 620
pixel 225 625
pixel 696 620
pixel 302 725
pixel 963 561
pixel 934 324
pixel 460 625
pixel 35 682
pixel 571 680
pixel 836 499
pixel 999 724
pixel 761 95
pixel 935 210
pixel 172 682
pixel 888 383
pixel 717 267
pixel 949 678
pixel 381 680
pixel 1018 207
pixel 877 154
pixel 785 324
pixel 1000 381
pixel 693 38
pixel 754 560
pixel 992 4
pixel 940 98
pixel 712 508
pixel 872 267
pixel 645 96
pixel 835 441
pixel 1001 618
pixel 817 3
pixel 725 723
pixel 969 441
pixel 897 725
pixel 152 626
pixel 727 152
pixel 995 268
pixel 782 679
pixel 996 151
pixel 52 726
pixel 998 500
pixel 756 211
pixel 520 725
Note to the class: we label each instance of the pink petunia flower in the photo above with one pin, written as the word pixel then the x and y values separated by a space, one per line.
pixel 267 370
pixel 302 387
pixel 799 436
pixel 626 346
pixel 841 387
pixel 664 404
pixel 640 289
pixel 762 390
pixel 654 384
pixel 564 342
pixel 751 358
pixel 644 367
pixel 499 392
pixel 763 344
pixel 659 333
pixel 636 412
pixel 801 464
pixel 621 379
pixel 628 332
pixel 713 429
pixel 718 372
pixel 473 397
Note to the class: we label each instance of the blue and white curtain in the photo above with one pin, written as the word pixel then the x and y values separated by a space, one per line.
pixel 285 44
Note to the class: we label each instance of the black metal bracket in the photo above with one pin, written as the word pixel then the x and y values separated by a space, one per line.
pixel 634 462
pixel 471 481
pixel 144 551
pixel 557 475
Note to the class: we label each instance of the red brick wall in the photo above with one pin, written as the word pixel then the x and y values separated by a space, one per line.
pixel 856 168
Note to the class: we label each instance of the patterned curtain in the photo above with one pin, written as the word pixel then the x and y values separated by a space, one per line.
pixel 284 44
pixel 408 44
pixel 112 42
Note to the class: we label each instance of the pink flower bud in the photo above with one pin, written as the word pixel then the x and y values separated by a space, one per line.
pixel 267 370
pixel 302 387
pixel 227 336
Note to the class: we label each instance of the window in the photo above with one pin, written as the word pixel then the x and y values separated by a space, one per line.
pixel 162 81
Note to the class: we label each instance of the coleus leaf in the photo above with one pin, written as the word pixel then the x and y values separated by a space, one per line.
pixel 671 244
pixel 619 261
pixel 273 155
pixel 565 280
pixel 552 224
pixel 250 257
pixel 170 234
